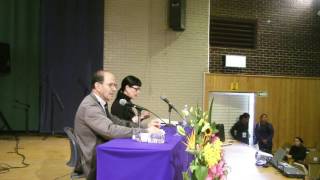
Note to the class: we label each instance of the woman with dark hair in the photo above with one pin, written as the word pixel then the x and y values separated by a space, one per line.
pixel 239 130
pixel 130 89
pixel 297 151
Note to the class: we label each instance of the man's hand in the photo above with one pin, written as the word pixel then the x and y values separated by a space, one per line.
pixel 154 123
pixel 153 129
pixel 145 115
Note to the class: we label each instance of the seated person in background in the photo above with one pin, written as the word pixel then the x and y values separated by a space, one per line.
pixel 94 124
pixel 263 134
pixel 130 89
pixel 239 130
pixel 297 151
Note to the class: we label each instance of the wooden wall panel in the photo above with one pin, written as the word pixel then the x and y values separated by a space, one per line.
pixel 293 104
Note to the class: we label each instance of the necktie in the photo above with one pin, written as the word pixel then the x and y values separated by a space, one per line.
pixel 107 110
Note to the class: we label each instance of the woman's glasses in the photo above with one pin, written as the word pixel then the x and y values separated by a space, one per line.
pixel 136 88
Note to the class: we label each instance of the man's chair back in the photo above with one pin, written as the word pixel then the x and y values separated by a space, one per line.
pixel 75 156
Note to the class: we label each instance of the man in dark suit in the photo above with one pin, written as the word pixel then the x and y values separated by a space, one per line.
pixel 95 125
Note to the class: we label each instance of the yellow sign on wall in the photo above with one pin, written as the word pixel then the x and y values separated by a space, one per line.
pixel 234 86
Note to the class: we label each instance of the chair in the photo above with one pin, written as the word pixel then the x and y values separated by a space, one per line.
pixel 75 156
pixel 318 146
pixel 301 167
pixel 313 161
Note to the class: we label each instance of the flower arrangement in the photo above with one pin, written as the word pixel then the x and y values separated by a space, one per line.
pixel 206 147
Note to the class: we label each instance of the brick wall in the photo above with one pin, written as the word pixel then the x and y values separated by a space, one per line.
pixel 288 37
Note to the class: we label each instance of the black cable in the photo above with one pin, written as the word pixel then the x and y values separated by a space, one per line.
pixel 4 168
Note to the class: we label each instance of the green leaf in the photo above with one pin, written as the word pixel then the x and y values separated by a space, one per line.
pixel 210 110
pixel 201 121
pixel 215 130
pixel 201 172
pixel 181 130
pixel 193 168
pixel 186 176
pixel 194 152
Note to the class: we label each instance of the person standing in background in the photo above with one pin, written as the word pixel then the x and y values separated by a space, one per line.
pixel 239 130
pixel 130 89
pixel 263 134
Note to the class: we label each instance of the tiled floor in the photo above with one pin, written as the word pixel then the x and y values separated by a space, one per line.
pixel 47 157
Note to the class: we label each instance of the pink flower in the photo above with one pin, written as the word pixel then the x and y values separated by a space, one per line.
pixel 210 176
pixel 220 168
pixel 214 138
pixel 223 177
pixel 216 171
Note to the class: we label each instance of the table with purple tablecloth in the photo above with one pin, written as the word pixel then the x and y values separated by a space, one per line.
pixel 123 159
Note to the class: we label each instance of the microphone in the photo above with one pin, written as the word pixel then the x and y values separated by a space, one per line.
pixel 166 100
pixel 124 102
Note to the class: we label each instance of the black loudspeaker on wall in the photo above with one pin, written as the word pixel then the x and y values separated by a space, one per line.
pixel 4 58
pixel 177 14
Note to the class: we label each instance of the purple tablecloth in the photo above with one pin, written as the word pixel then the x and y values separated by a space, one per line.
pixel 123 159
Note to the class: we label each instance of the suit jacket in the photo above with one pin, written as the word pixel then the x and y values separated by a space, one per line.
pixel 92 127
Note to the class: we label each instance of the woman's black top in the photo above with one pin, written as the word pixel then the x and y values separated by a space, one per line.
pixel 298 153
pixel 123 112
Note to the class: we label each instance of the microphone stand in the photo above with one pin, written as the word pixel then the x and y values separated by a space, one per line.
pixel 171 106
pixel 169 111
pixel 136 135
pixel 5 122
pixel 54 95
pixel 52 114
pixel 139 119
pixel 26 108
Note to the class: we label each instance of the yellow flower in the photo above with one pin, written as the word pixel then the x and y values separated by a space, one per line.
pixel 212 153
pixel 191 142
pixel 208 132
